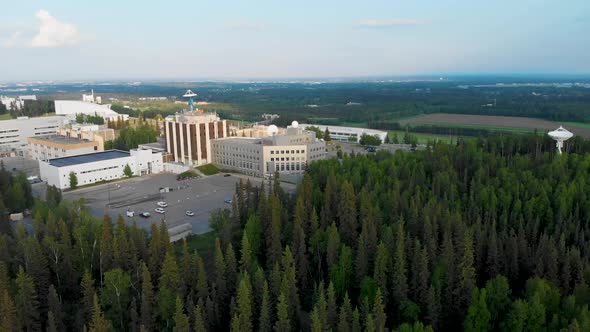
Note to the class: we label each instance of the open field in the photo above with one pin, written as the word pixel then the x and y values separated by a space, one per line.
pixel 507 123
pixel 422 137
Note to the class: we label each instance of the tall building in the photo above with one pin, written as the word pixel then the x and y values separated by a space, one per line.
pixel 288 153
pixel 14 133
pixel 189 134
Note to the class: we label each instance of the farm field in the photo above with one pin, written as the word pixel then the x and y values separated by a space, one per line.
pixel 506 123
pixel 425 138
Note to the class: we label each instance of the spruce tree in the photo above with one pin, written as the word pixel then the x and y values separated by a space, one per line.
pixel 245 303
pixel 98 322
pixel 347 218
pixel 199 320
pixel 147 298
pixel 181 323
pixel 8 313
pixel 379 312
pixel 106 246
pixel 345 316
pixel 88 292
pixel 264 319
pixel 283 323
pixel 27 305
pixel 54 306
pixel 332 308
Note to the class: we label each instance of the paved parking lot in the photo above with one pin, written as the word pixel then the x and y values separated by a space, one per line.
pixel 201 195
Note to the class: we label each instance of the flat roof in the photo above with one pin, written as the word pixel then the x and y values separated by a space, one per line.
pixel 64 140
pixel 88 158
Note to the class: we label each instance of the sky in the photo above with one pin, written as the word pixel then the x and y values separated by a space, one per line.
pixel 227 39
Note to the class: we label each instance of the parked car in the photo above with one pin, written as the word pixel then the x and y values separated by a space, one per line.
pixel 145 215
pixel 162 204
pixel 190 213
pixel 228 200
pixel 226 174
pixel 160 210
pixel 130 214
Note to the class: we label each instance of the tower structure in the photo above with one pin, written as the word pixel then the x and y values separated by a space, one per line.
pixel 191 103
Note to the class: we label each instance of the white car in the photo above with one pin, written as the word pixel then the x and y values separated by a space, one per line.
pixel 160 210
pixel 130 214
pixel 190 213
pixel 162 204
pixel 144 214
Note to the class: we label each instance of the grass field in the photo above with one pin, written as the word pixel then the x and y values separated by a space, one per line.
pixel 204 244
pixel 208 169
pixel 498 123
pixel 5 116
pixel 423 138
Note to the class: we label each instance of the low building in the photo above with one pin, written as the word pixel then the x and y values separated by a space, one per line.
pixel 338 133
pixel 16 102
pixel 14 133
pixel 257 131
pixel 57 146
pixel 288 153
pixel 189 134
pixel 70 108
pixel 91 132
pixel 100 166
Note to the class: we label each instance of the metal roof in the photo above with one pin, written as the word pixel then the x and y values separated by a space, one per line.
pixel 88 158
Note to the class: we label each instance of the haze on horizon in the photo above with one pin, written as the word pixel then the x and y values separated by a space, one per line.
pixel 64 40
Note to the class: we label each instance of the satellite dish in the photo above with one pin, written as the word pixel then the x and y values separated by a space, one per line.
pixel 560 135
pixel 295 124
pixel 272 130
pixel 189 94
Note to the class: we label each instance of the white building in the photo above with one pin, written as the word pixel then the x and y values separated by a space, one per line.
pixel 345 133
pixel 57 146
pixel 100 166
pixel 70 108
pixel 18 102
pixel 14 133
pixel 289 153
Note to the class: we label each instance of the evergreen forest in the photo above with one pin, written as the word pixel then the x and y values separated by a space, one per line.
pixel 481 235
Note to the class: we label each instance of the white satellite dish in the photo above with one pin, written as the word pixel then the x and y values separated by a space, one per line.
pixel 272 130
pixel 189 94
pixel 295 124
pixel 560 135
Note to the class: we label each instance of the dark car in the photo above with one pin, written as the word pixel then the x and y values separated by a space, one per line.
pixel 144 214
pixel 226 175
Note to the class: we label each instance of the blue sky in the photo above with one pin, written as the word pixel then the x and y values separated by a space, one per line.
pixel 132 39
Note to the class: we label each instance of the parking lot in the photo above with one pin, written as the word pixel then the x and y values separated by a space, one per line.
pixel 201 195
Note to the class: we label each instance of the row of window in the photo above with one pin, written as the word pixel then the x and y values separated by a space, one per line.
pixel 286 151
pixel 99 169
pixel 287 159
pixel 8 131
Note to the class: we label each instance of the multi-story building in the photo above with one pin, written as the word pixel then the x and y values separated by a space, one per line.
pixel 287 153
pixel 91 132
pixel 189 134
pixel 14 133
pixel 99 166
pixel 257 131
pixel 57 146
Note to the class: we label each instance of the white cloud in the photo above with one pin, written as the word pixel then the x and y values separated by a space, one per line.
pixel 387 23
pixel 14 40
pixel 53 33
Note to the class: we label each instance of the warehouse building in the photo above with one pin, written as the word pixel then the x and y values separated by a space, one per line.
pixel 288 153
pixel 100 166
pixel 57 146
pixel 14 133
pixel 189 134
pixel 346 134
pixel 72 107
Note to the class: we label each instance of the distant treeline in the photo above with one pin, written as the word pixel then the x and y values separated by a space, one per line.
pixel 439 130
pixel 33 108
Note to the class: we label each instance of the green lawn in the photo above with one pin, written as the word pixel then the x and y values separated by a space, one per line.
pixel 455 125
pixel 577 125
pixel 424 138
pixel 5 116
pixel 208 169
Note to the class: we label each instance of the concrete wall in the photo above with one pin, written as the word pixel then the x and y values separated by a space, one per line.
pixel 14 133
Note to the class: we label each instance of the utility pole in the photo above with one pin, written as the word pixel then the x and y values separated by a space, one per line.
pixel 109 191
